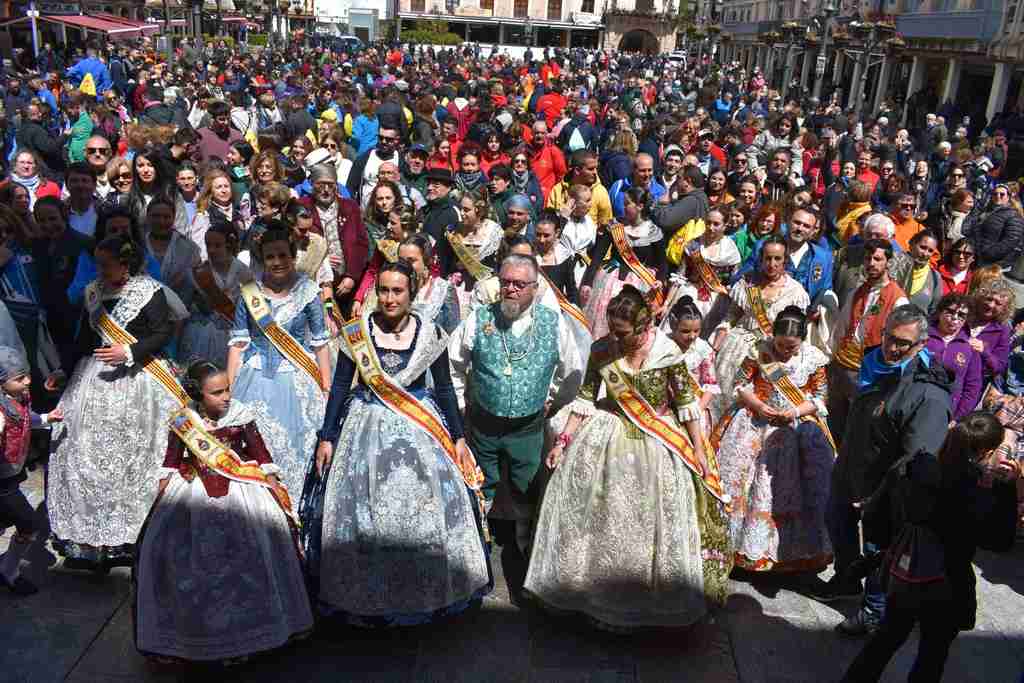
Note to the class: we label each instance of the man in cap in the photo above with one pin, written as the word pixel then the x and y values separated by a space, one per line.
pixel 340 222
pixel 414 168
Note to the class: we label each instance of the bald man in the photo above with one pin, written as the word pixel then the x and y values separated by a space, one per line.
pixel 643 176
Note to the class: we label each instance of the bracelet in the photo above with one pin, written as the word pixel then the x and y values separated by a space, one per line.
pixel 563 440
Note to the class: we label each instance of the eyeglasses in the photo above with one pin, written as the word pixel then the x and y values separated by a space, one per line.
pixel 956 314
pixel 899 343
pixel 887 169
pixel 963 252
pixel 331 146
pixel 516 284
pixel 740 160
pixel 1001 193
pixel 98 150
pixel 519 161
pixel 907 205
pixel 387 138
pixel 123 176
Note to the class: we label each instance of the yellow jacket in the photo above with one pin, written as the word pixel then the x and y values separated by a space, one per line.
pixel 600 202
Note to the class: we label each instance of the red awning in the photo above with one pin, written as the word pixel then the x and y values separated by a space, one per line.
pixel 113 29
pixel 144 26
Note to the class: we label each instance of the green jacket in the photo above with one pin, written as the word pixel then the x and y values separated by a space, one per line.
pixel 80 132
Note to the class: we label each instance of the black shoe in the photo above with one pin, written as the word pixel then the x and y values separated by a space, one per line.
pixel 832 590
pixel 857 626
pixel 20 586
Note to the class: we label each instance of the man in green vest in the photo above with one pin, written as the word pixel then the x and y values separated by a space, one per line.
pixel 514 362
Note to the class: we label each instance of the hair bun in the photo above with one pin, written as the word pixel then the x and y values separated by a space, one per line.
pixel 686 300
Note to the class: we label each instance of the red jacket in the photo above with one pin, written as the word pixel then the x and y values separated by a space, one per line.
pixel 549 166
pixel 462 114
pixel 950 287
pixel 355 243
pixel 550 106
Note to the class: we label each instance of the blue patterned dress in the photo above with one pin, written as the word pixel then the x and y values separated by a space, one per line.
pixel 289 404
pixel 392 534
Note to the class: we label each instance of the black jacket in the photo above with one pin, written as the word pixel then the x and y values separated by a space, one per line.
pixel 162 115
pixel 438 216
pixel 897 416
pixel 998 237
pixel 33 136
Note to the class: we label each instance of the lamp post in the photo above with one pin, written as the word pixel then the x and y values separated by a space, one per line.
pixel 871 37
pixel 528 32
pixel 791 30
pixel 828 10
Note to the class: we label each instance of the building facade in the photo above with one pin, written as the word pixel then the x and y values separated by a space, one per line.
pixel 958 56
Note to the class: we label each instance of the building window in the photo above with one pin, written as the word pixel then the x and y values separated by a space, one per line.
pixel 521 8
pixel 555 10
pixel 587 6
pixel 419 5
pixel 487 4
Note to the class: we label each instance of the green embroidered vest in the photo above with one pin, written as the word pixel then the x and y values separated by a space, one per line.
pixel 532 358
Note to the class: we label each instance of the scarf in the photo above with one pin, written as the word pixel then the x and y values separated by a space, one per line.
pixel 874 368
pixel 31 184
pixel 470 182
pixel 520 181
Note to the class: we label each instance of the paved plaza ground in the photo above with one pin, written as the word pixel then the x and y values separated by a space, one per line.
pixel 78 628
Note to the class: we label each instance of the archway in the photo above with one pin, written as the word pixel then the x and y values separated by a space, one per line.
pixel 639 40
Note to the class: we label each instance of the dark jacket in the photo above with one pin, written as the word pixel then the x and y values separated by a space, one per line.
pixel 998 237
pixel 671 217
pixel 438 216
pixel 162 115
pixel 355 243
pixel 895 417
pixel 615 165
pixel 963 515
pixel 50 149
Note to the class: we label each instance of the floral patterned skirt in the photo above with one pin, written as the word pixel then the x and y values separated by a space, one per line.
pixel 778 478
pixel 626 534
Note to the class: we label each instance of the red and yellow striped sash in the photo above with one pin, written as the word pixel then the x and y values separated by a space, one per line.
pixel 777 376
pixel 156 367
pixel 467 258
pixel 758 308
pixel 261 312
pixel 629 257
pixel 641 414
pixel 707 273
pixel 567 306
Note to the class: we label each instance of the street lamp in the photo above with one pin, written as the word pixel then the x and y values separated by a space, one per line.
pixel 791 30
pixel 828 10
pixel 871 35
pixel 528 32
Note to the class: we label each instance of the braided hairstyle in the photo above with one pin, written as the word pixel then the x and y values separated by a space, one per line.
pixel 196 375
pixel 405 269
pixel 791 322
pixel 125 250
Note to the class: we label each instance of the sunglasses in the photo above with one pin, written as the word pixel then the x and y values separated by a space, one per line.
pixel 98 150
pixel 519 161
pixel 963 252
pixel 123 176
pixel 907 205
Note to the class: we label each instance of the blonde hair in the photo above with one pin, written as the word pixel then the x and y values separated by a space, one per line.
pixel 983 276
pixel 206 194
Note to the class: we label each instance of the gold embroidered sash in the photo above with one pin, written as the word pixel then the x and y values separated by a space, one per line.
pixel 777 376
pixel 758 308
pixel 113 333
pixel 706 272
pixel 218 299
pixel 262 314
pixel 391 394
pixel 644 417
pixel 618 234
pixel 567 306
pixel 210 451
pixel 467 258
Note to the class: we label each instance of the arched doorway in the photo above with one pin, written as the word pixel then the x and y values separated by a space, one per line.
pixel 639 40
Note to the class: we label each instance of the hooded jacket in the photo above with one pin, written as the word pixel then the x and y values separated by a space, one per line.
pixel 897 416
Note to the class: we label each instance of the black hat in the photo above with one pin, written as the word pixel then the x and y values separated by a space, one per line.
pixel 441 175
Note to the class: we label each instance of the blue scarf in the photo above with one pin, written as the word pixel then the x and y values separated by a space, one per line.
pixel 873 368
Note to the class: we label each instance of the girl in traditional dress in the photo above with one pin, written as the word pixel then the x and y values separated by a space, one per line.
pixel 219 573
pixel 557 263
pixel 106 455
pixel 278 358
pixel 218 284
pixel 435 297
pixel 400 541
pixel 756 300
pixel 776 454
pixel 684 327
pixel 604 279
pixel 708 263
pixel 481 238
pixel 629 534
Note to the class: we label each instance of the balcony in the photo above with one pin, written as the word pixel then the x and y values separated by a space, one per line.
pixel 973 25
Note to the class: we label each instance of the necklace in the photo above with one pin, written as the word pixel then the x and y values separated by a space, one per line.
pixel 511 358
pixel 398 329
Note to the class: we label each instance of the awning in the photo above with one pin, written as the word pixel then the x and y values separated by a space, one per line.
pixel 536 23
pixel 144 26
pixel 114 29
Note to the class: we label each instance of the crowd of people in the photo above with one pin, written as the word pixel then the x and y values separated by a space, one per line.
pixel 309 333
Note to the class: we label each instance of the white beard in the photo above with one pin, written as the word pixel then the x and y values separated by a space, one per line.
pixel 512 310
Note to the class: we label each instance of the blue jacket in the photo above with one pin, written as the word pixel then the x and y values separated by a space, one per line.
pixel 99 71
pixel 814 271
pixel 617 193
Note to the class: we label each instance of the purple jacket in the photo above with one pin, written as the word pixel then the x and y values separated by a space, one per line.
pixel 994 359
pixel 965 363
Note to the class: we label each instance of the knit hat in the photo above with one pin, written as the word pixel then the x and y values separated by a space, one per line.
pixel 12 363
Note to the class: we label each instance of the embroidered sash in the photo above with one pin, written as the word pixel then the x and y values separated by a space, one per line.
pixel 567 306
pixel 209 450
pixel 112 333
pixel 618 234
pixel 641 414
pixel 391 394
pixel 758 308
pixel 775 374
pixel 706 272
pixel 218 299
pixel 389 248
pixel 261 312
pixel 314 255
pixel 467 257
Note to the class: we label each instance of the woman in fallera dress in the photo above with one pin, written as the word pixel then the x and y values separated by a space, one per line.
pixel 219 574
pixel 629 534
pixel 390 526
pixel 286 385
pixel 776 454
pixel 106 455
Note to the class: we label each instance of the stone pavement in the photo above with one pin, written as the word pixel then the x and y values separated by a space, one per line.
pixel 79 629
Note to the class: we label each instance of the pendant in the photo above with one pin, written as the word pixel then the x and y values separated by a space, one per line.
pixel 508 370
